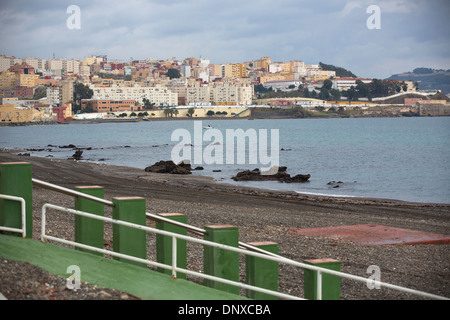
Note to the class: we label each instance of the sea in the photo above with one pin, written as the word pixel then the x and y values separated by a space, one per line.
pixel 404 159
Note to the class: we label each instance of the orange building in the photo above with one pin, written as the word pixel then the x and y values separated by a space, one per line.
pixel 95 105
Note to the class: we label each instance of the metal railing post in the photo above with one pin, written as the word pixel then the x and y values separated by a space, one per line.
pixel 89 231
pixel 128 240
pixel 261 272
pixel 15 180
pixel 164 244
pixel 219 262
pixel 320 286
pixel 174 257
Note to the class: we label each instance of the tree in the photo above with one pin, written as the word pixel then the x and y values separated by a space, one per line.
pixel 327 84
pixel 306 93
pixel 173 73
pixel 335 94
pixel 352 95
pixel 340 72
pixel 39 93
pixel 210 113
pixel 147 104
pixel 362 88
pixel 80 91
pixel 324 94
pixel 404 86
pixel 190 112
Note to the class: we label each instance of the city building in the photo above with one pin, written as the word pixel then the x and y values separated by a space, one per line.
pixel 66 90
pixel 160 96
pixel 63 113
pixel 14 113
pixel 220 93
pixel 98 106
pixel 347 83
pixel 283 85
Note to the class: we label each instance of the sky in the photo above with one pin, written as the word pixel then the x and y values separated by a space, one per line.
pixel 411 33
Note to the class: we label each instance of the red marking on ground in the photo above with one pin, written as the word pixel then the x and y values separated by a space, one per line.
pixel 372 234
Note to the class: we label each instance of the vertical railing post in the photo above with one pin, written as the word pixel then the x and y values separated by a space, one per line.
pixel 174 257
pixel 89 231
pixel 322 286
pixel 262 273
pixel 219 262
pixel 165 245
pixel 128 240
pixel 15 180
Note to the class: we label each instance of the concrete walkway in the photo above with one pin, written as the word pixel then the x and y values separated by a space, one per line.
pixel 138 281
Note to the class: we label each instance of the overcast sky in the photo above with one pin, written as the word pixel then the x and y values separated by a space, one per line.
pixel 414 33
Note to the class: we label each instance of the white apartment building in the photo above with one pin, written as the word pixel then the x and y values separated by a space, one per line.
pixel 196 93
pixel 185 70
pixel 158 95
pixel 53 95
pixel 283 85
pixel 6 62
pixel 347 83
pixel 72 66
pixel 221 93
pixel 54 65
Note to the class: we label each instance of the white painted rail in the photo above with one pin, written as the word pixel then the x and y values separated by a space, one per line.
pixel 23 229
pixel 175 269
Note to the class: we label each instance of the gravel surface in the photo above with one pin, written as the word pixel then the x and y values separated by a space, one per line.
pixel 260 216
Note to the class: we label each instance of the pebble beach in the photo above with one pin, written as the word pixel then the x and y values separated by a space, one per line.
pixel 260 215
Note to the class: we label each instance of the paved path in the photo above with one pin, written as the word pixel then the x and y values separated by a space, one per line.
pixel 138 281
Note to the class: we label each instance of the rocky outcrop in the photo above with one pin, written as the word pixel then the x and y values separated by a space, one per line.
pixel 281 175
pixel 169 167
pixel 77 155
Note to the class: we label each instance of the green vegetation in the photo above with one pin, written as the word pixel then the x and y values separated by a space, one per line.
pixel 173 73
pixel 190 112
pixel 80 91
pixel 340 72
pixel 147 104
pixel 40 92
pixel 429 79
pixel 376 88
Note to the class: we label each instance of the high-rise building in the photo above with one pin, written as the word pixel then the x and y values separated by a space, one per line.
pixel 66 91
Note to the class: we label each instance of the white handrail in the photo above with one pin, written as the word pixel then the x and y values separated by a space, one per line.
pixel 22 230
pixel 174 268
pixel 188 227
pixel 145 261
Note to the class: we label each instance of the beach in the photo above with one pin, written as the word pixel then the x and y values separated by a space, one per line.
pixel 263 215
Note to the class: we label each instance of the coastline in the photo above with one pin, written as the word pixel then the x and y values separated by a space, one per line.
pixel 213 118
pixel 263 215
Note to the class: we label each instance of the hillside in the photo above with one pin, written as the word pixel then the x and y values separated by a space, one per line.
pixel 340 72
pixel 427 78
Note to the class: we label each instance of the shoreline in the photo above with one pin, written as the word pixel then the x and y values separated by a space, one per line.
pixel 137 120
pixel 263 215
pixel 201 181
pixel 210 180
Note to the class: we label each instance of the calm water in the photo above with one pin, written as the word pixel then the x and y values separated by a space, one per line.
pixel 395 158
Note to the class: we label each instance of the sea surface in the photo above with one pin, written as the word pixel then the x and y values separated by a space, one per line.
pixel 392 158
